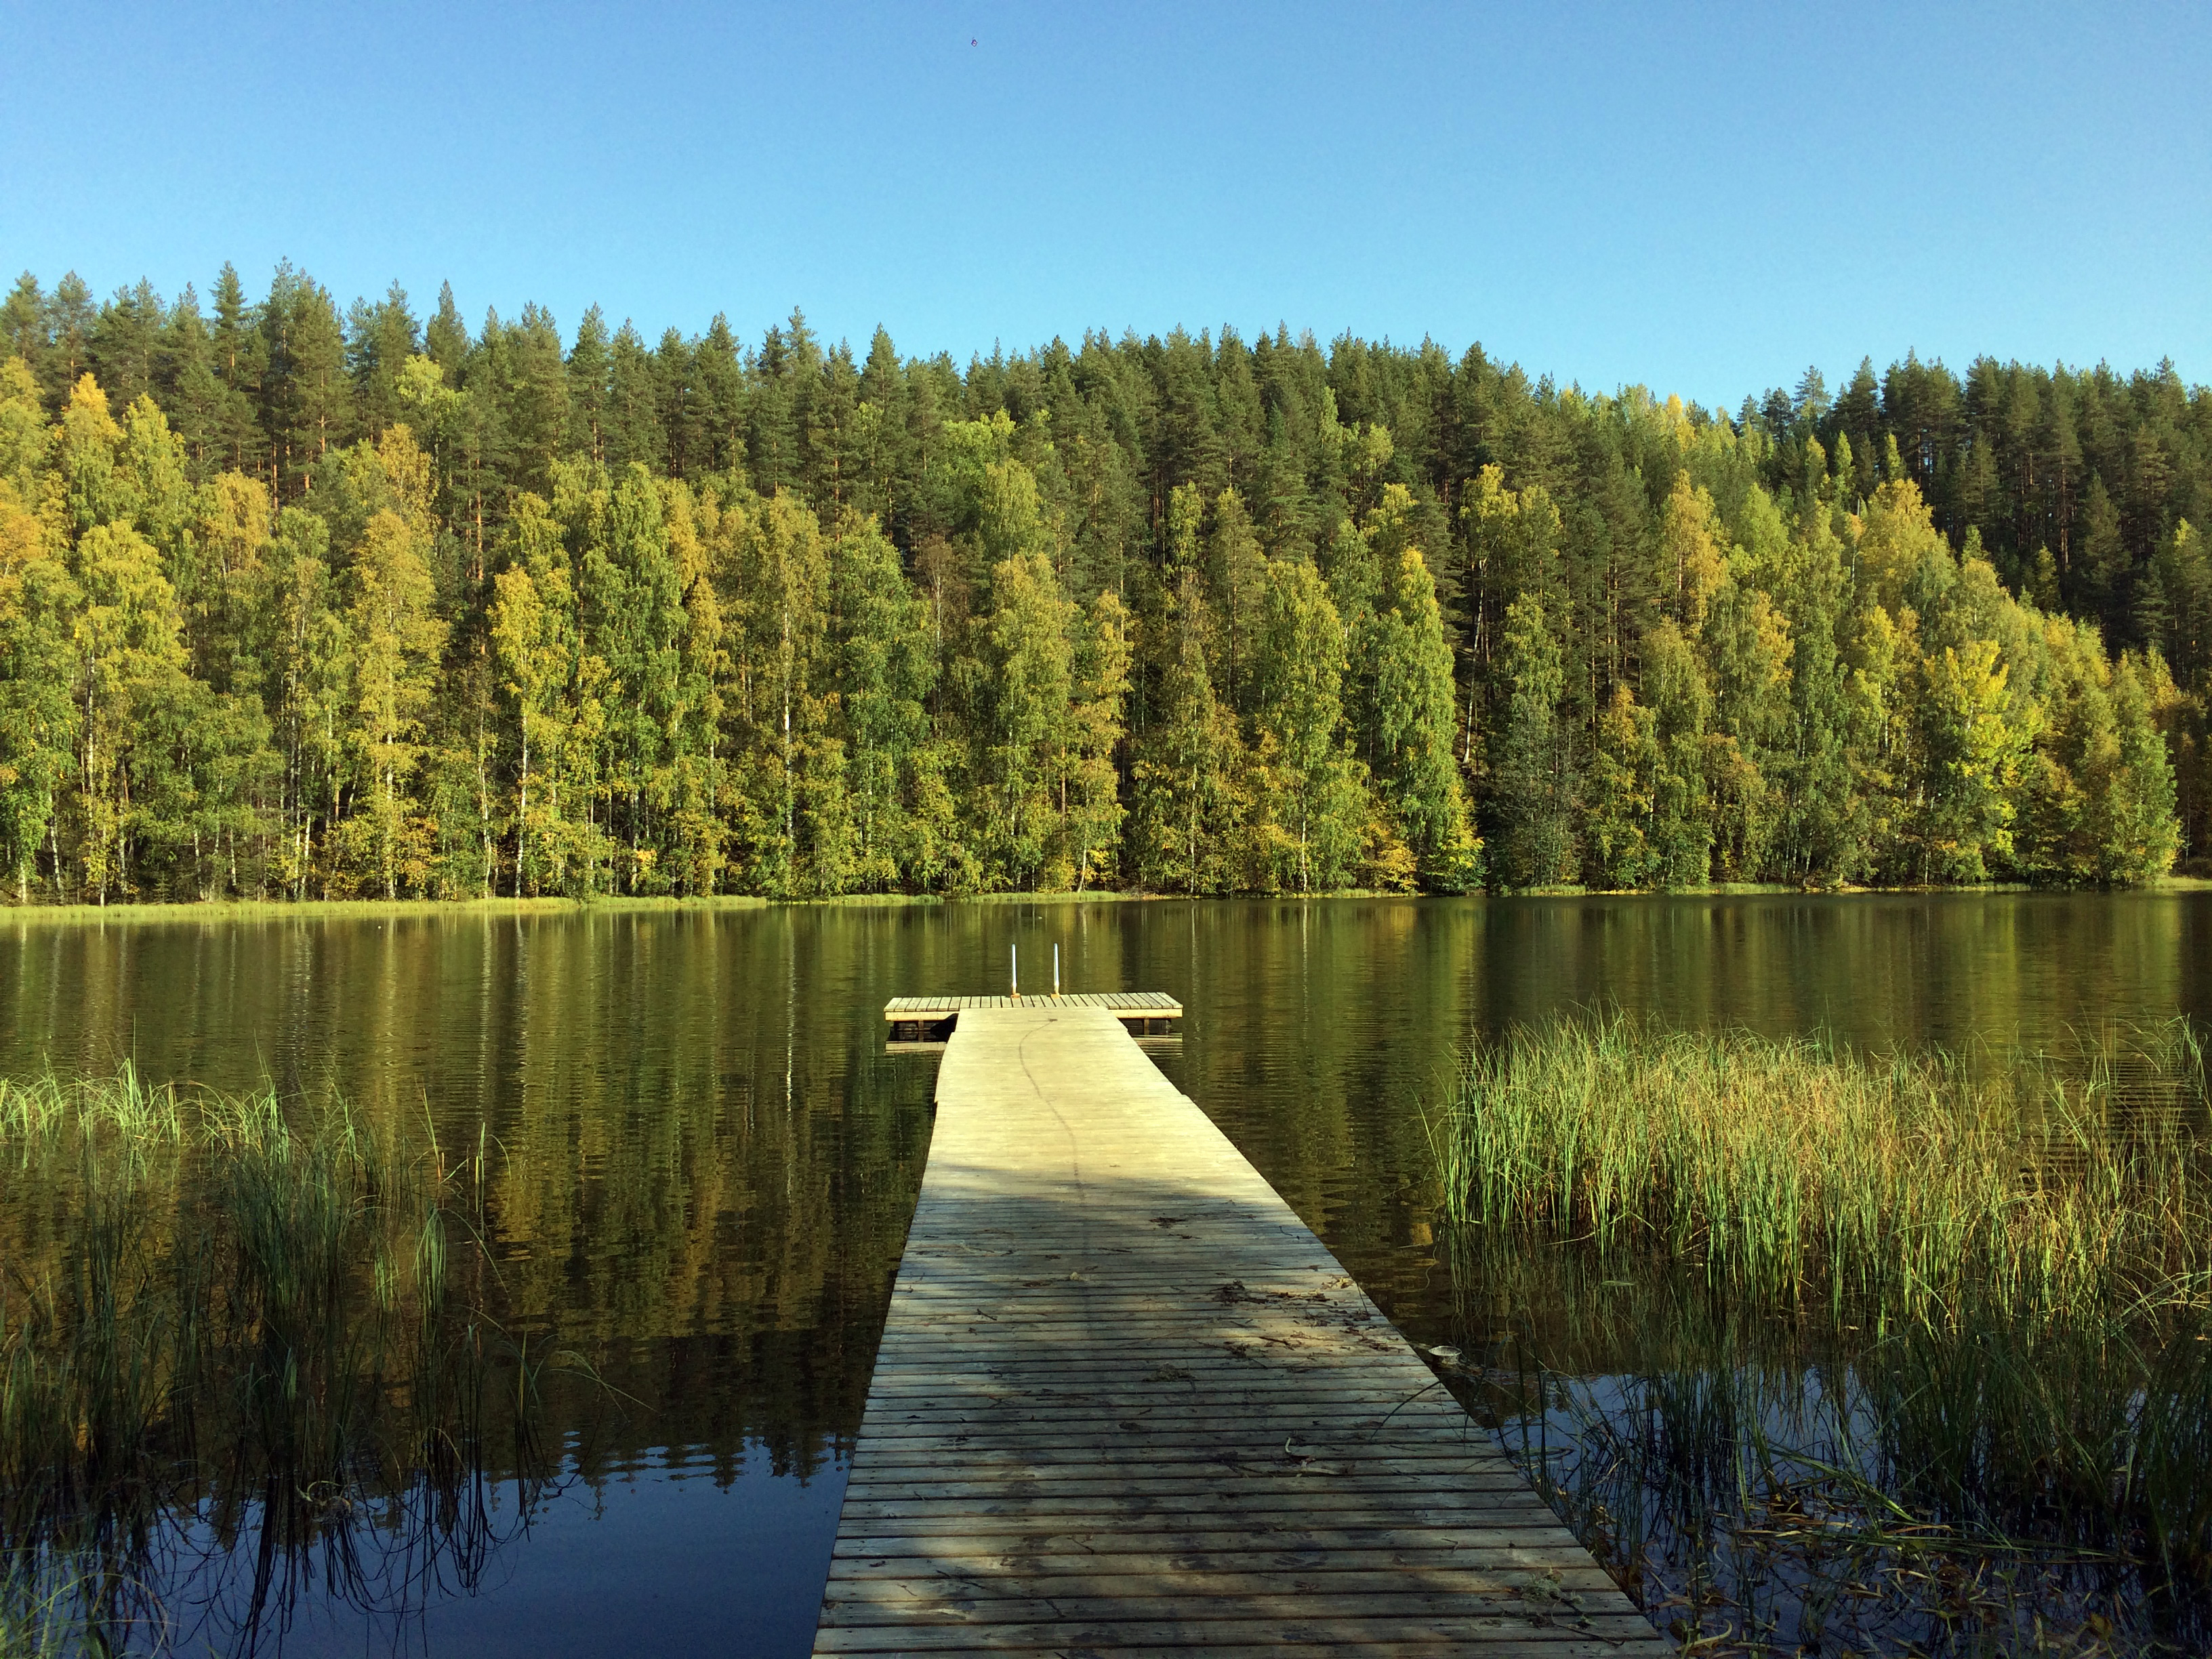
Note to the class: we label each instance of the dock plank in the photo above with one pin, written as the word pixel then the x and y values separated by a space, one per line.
pixel 1124 1005
pixel 1127 1402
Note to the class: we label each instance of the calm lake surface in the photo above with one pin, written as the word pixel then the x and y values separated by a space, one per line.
pixel 702 1160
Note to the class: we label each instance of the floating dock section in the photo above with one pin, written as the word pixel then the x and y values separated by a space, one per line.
pixel 917 1019
pixel 1127 1402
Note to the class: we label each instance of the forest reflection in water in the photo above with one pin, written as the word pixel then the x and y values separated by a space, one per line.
pixel 700 1161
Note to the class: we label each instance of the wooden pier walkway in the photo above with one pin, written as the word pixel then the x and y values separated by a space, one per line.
pixel 1127 1402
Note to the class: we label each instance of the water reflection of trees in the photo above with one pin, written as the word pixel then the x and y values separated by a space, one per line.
pixel 699 1166
pixel 246 1357
pixel 697 1172
pixel 690 1181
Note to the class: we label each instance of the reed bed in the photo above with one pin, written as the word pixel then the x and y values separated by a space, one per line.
pixel 1767 1486
pixel 1826 1350
pixel 234 1318
pixel 1911 1186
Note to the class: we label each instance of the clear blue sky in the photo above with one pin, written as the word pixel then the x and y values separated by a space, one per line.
pixel 1702 199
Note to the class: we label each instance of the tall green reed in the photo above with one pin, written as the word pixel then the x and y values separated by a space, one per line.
pixel 1821 1350
pixel 1795 1171
pixel 217 1310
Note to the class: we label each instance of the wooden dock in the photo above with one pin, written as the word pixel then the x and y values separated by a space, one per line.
pixel 1127 1402
pixel 927 1019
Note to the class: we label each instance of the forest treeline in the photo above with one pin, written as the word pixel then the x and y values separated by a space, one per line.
pixel 298 602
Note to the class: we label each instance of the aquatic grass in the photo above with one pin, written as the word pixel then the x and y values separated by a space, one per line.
pixel 121 1113
pixel 1782 1483
pixel 244 1317
pixel 36 1621
pixel 1791 1170
pixel 1823 1350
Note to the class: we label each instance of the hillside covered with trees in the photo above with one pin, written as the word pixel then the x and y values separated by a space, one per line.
pixel 298 602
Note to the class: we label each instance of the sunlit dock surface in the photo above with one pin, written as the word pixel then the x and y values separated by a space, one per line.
pixel 1126 1400
pixel 926 1018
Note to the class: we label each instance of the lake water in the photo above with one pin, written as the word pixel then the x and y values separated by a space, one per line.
pixel 702 1159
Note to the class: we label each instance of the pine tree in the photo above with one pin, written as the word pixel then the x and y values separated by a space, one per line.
pixel 239 355
pixel 125 343
pixel 23 326
pixel 445 337
pixel 68 327
pixel 2102 585
pixel 719 373
pixel 193 391
pixel 676 406
pixel 532 385
pixel 307 398
pixel 590 368
pixel 379 340
pixel 632 426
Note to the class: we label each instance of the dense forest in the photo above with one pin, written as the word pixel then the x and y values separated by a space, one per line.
pixel 299 602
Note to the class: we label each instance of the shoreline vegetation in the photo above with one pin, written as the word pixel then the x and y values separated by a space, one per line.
pixel 308 604
pixel 249 909
pixel 1869 1352
pixel 245 1355
pixel 1897 1187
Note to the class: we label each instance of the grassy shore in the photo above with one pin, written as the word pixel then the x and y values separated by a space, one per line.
pixel 225 911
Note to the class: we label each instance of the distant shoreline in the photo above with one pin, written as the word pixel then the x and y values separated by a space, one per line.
pixel 237 910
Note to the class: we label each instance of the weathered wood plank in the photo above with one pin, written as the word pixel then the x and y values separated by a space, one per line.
pixel 1284 1511
pixel 1345 1562
pixel 859 1603
pixel 1126 1401
pixel 954 1541
pixel 1428 1488
pixel 1174 1460
pixel 1523 1635
pixel 1125 1005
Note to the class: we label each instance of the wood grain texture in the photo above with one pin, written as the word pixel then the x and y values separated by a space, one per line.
pixel 1127 1402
